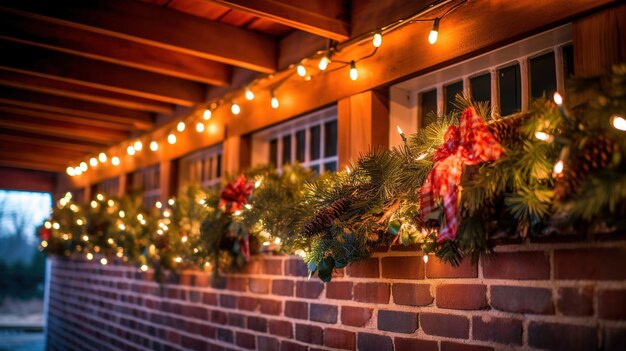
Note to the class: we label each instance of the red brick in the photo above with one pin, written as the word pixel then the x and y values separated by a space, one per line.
pixel 462 296
pixel 281 328
pixel 612 304
pixel 273 307
pixel 500 330
pixel 339 339
pixel 445 325
pixel 254 266
pixel 323 313
pixel 296 267
pixel 531 265
pixel 228 301
pixel 575 301
pixel 436 268
pixel 246 340
pixel 411 294
pixel 403 267
pixel 265 343
pixel 218 317
pixel 355 316
pixel 522 299
pixel 407 344
pixel 366 268
pixel 310 334
pixel 292 346
pixel 593 264
pixel 259 286
pixel 453 346
pixel 236 284
pixel 209 299
pixel 339 290
pixel 399 322
pixel 225 335
pixel 371 292
pixel 273 267
pixel 247 303
pixel 374 342
pixel 554 336
pixel 309 289
pixel 282 287
pixel 296 309
pixel 257 323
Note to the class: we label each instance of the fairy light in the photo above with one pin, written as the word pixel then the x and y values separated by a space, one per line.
pixel 434 32
pixel 70 171
pixel 618 122
pixel 378 39
pixel 122 214
pixel 425 258
pixel 154 146
pixel 558 168
pixel 94 204
pixel 171 201
pixel 199 127
pixel 180 126
pixel 248 206
pixel 558 99
pixel 110 241
pixel 44 243
pixel 354 73
pixel 78 171
pixel 401 133
pixel 237 213
pixel 274 101
pixel 85 238
pixel 115 161
pixel 249 94
pixel 166 213
pixel 110 202
pixel 301 70
pixel 56 226
pixel 100 197
pixel 207 114
pixel 138 145
pixel 62 202
pixel 348 170
pixel 93 162
pixel 47 224
pixel 130 150
pixel 143 267
pixel 422 156
pixel 74 208
pixel 324 61
pixel 102 157
pixel 104 261
pixel 122 226
pixel 543 136
pixel 184 239
pixel 79 221
pixel 235 109
pixel 171 139
pixel 258 183
pixel 89 256
pixel 83 166
pixel 178 259
pixel 158 204
pixel 140 217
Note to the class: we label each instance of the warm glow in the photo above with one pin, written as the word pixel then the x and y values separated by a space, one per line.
pixel 158 204
pixel 83 166
pixel 90 256
pixel 130 150
pixel 274 102
pixel 249 94
pixel 79 221
pixel 85 238
pixel 235 109
pixel 102 157
pixel 144 268
pixel 558 168
pixel 425 258
pixel 110 202
pixel 115 161
pixel 199 127
pixel 171 139
pixel 154 146
pixel 207 114
pixel 421 157
pixel 178 259
pixel 180 126
pixel 93 162
pixel 354 73
pixel 47 224
pixel 558 99
pixel 78 171
pixel 434 32
pixel 100 197
pixel 104 261
pixel 301 70
pixel 348 170
pixel 70 171
pixel 171 202
pixel 399 130
pixel 122 226
pixel 122 214
pixel 543 136
pixel 184 239
pixel 166 213
pixel 44 243
pixel 138 145
pixel 258 183
pixel 94 204
pixel 618 122
pixel 56 226
pixel 378 39
pixel 324 62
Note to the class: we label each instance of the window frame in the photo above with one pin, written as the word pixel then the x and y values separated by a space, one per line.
pixel 198 158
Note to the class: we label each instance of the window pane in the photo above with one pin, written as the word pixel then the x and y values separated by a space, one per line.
pixel 510 90
pixel 542 76
pixel 315 142
pixel 568 60
pixel 287 149
pixel 428 101
pixel 481 88
pixel 451 90
pixel 274 152
pixel 330 166
pixel 315 169
pixel 218 166
pixel 330 136
pixel 300 145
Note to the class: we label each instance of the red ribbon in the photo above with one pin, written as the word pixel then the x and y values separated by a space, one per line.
pixel 44 233
pixel 470 144
pixel 235 195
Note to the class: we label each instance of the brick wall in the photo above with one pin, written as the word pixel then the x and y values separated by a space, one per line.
pixel 537 296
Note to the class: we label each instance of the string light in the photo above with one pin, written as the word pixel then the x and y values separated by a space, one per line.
pixel 618 122
pixel 249 94
pixel 122 214
pixel 235 109
pixel 171 202
pixel 70 171
pixel 324 61
pixel 558 168
pixel 558 99
pixel 274 102
pixel 83 166
pixel 434 32
pixel 44 243
pixel 207 114
pixel 100 197
pixel 154 146
pixel 199 127
pixel 115 161
pixel 56 226
pixel 180 126
pixel 47 224
pixel 178 259
pixel 143 268
pixel 102 157
pixel 543 136
pixel 425 258
pixel 104 261
pixel 89 256
pixel 171 139
pixel 301 70
pixel 110 202
pixel 130 150
pixel 378 39
pixel 354 73
pixel 158 204
pixel 94 204
pixel 138 145
pixel 93 162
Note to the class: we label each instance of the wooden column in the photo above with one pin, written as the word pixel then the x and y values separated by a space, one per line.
pixel 121 185
pixel 363 122
pixel 168 179
pixel 237 153
pixel 599 41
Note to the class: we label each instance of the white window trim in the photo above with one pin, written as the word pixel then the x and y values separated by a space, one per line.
pixel 261 140
pixel 404 97
pixel 185 162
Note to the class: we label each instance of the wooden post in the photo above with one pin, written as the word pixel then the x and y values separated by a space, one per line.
pixel 121 185
pixel 168 179
pixel 237 153
pixel 363 122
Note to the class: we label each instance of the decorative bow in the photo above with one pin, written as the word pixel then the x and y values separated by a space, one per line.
pixel 44 233
pixel 235 195
pixel 469 144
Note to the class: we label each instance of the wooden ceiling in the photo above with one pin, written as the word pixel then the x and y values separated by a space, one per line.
pixel 78 76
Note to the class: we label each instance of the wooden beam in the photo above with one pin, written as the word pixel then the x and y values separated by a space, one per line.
pixel 81 92
pixel 25 180
pixel 326 18
pixel 98 74
pixel 157 26
pixel 136 119
pixel 112 49
pixel 8 135
pixel 24 148
pixel 37 166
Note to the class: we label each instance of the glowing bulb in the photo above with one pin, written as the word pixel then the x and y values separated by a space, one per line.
pixel 158 204
pixel 94 204
pixel 102 157
pixel 301 70
pixel 180 126
pixel 207 114
pixel 93 162
pixel 110 202
pixel 74 208
pixel 235 109
pixel 122 214
pixel 171 202
pixel 171 139
pixel 138 145
pixel 85 238
pixel 70 171
pixel 354 73
pixel 422 156
pixel 79 221
pixel 143 268
pixel 122 226
pixel 104 261
pixel 100 197
pixel 44 243
pixel 140 217
pixel 425 258
pixel 154 146
pixel 249 94
pixel 47 224
pixel 178 259
pixel 543 136
pixel 618 122
pixel 434 32
pixel 378 39
pixel 115 161
pixel 166 213
pixel 78 171
pixel 184 239
pixel 258 183
pixel 558 99
pixel 324 62
pixel 56 226
pixel 83 166
pixel 90 256
pixel 130 150
pixel 200 127
pixel 399 130
pixel 274 102
pixel 558 168
pixel 348 170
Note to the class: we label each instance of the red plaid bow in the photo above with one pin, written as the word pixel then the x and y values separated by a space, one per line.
pixel 470 144
pixel 235 195
pixel 44 233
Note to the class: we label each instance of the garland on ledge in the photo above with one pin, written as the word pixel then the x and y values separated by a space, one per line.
pixel 454 189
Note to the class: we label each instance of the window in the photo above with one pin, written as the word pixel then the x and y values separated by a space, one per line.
pixel 147 181
pixel 428 107
pixel 202 167
pixel 480 88
pixel 543 76
pixel 451 91
pixel 310 140
pixel 510 90
pixel 108 188
pixel 568 60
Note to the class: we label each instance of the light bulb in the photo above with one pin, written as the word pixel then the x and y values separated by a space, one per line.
pixel 171 139
pixel 378 39
pixel 78 171
pixel 558 168
pixel 103 261
pixel 207 114
pixel 144 268
pixel 102 157
pixel 249 94
pixel 130 150
pixel 425 258
pixel 543 136
pixel 434 32
pixel 235 109
pixel 354 73
pixel 93 162
pixel 558 99
pixel 324 62
pixel 180 126
pixel 274 102
pixel 158 204
pixel 100 197
pixel 115 161
pixel 83 166
pixel 70 171
pixel 94 204
pixel 90 256
pixel 171 201
pixel 154 146
pixel 618 122
pixel 399 130
pixel 199 127
pixel 138 145
pixel 301 70
pixel 178 259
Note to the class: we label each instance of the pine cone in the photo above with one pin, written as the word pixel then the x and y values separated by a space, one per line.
pixel 324 218
pixel 506 129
